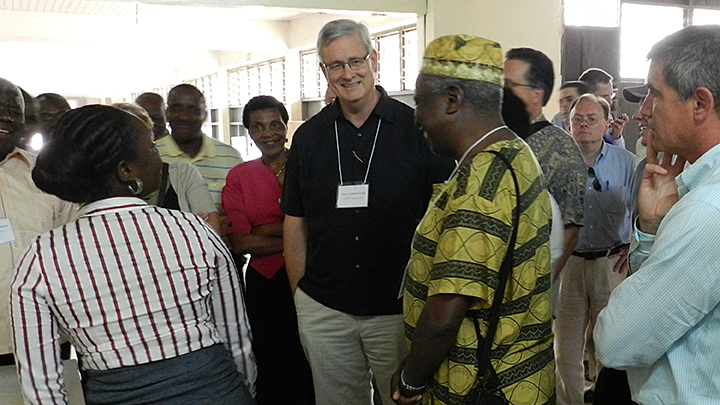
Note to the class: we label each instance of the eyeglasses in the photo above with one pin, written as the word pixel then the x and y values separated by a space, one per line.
pixel 596 183
pixel 509 83
pixel 354 64
pixel 590 120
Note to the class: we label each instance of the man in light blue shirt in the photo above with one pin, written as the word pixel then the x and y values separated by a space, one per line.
pixel 662 324
pixel 596 265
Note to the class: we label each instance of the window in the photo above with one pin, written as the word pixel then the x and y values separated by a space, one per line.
pixel 641 27
pixel 591 13
pixel 397 59
pixel 265 78
pixel 642 24
pixel 313 83
pixel 208 85
pixel 702 16
pixel 397 64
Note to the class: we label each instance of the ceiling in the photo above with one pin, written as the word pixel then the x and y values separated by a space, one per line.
pixel 101 48
pixel 133 8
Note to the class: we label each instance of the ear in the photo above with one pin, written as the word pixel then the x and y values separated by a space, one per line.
pixel 374 60
pixel 454 97
pixel 125 171
pixel 538 95
pixel 325 73
pixel 703 104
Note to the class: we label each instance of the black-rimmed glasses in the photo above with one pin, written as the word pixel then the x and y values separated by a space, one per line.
pixel 354 64
pixel 596 183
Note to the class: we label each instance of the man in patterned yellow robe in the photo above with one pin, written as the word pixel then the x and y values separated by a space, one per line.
pixel 460 244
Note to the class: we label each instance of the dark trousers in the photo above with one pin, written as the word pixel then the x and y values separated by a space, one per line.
pixel 207 376
pixel 284 375
pixel 611 388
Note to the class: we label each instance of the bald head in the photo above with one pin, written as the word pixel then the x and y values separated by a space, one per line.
pixel 154 104
pixel 52 107
pixel 12 116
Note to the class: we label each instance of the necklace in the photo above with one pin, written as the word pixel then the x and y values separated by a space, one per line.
pixel 464 155
pixel 281 170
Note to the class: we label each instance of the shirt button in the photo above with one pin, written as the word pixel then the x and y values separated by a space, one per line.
pixel 357 211
pixel 359 134
pixel 357 238
pixel 357 266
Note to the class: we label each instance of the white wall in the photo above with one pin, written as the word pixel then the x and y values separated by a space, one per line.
pixel 517 23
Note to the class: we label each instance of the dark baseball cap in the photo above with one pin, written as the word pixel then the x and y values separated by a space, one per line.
pixel 635 94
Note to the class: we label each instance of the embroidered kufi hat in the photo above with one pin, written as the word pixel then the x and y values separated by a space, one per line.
pixel 464 57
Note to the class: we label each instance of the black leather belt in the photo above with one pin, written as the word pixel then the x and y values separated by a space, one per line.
pixel 594 254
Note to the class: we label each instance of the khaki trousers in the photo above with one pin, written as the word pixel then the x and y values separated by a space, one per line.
pixel 585 287
pixel 346 351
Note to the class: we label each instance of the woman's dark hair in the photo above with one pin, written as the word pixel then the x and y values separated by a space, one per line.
pixel 263 103
pixel 79 162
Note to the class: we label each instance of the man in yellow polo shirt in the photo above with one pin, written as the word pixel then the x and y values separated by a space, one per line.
pixel 186 112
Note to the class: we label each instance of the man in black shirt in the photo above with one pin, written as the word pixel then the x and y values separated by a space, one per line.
pixel 359 178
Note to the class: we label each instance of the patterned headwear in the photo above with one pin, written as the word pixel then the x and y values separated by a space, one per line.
pixel 464 57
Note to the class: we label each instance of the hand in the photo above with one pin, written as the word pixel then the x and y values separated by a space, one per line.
pixel 622 264
pixel 618 125
pixel 275 229
pixel 658 190
pixel 205 216
pixel 396 392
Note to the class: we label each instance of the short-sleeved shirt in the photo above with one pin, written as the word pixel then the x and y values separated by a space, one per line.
pixel 213 161
pixel 356 256
pixel 251 197
pixel 459 248
pixel 564 169
pixel 190 188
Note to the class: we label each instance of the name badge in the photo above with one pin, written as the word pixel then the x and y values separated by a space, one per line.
pixel 6 231
pixel 353 196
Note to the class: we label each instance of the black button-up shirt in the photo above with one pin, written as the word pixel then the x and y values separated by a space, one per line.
pixel 356 256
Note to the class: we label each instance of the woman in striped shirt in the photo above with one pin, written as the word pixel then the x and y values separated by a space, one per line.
pixel 149 297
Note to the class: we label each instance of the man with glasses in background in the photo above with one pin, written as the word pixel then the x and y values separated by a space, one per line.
pixel 529 74
pixel 599 262
pixel 359 178
pixel 600 83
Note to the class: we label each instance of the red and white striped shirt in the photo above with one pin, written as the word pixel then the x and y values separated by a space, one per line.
pixel 128 284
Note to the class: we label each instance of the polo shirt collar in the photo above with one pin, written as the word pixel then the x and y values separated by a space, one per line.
pixel 384 108
pixel 207 150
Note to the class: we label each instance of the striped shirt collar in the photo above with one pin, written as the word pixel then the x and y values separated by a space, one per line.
pixel 207 150
pixel 694 174
pixel 113 204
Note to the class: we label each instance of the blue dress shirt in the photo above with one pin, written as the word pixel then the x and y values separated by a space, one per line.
pixel 662 324
pixel 607 211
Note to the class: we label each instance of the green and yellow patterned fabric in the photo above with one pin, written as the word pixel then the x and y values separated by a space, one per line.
pixel 464 57
pixel 458 248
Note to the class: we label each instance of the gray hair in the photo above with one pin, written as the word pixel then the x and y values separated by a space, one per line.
pixel 690 59
pixel 135 110
pixel 486 97
pixel 342 28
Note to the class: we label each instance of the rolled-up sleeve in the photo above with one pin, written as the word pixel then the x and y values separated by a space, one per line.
pixel 676 287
